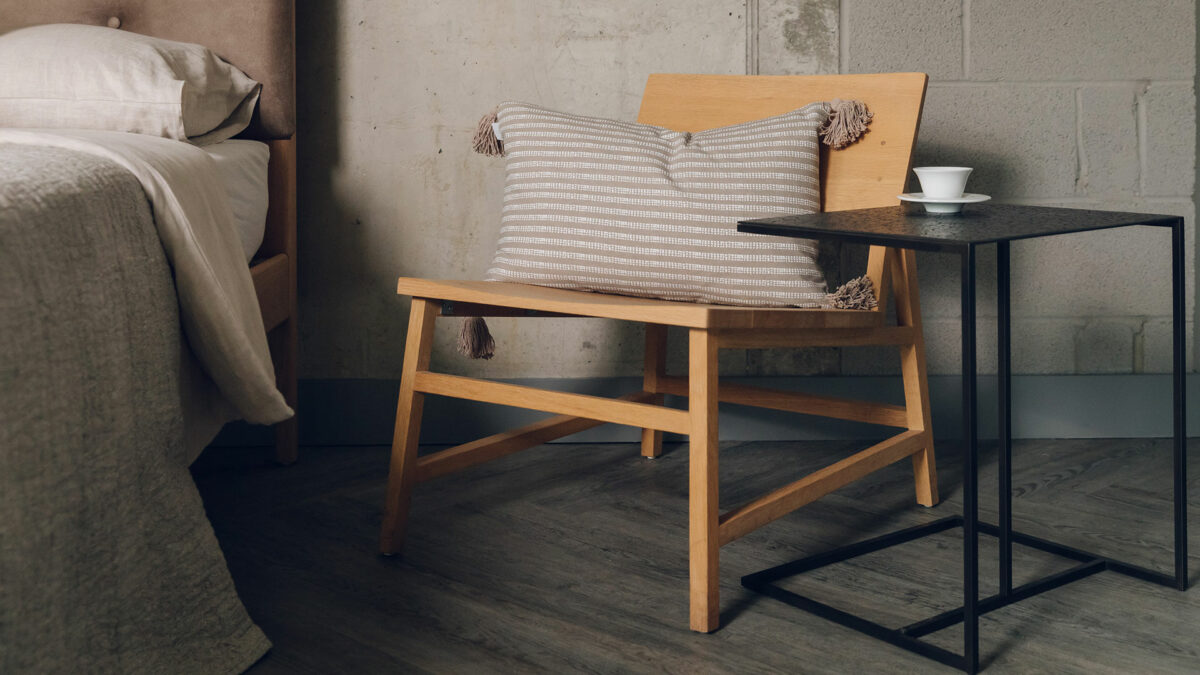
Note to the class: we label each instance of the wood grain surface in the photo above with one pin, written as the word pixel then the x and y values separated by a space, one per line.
pixel 868 173
pixel 475 296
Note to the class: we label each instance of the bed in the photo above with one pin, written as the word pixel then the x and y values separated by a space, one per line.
pixel 107 562
pixel 257 37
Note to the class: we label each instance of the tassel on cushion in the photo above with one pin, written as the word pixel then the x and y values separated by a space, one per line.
pixel 857 293
pixel 485 142
pixel 475 341
pixel 847 121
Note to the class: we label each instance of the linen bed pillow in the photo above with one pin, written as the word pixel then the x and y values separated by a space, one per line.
pixel 73 76
pixel 615 207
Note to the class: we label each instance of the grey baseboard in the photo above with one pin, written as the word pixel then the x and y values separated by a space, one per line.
pixel 361 412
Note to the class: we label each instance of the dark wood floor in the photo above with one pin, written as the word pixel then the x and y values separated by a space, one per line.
pixel 572 558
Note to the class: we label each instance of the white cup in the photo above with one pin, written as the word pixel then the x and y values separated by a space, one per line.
pixel 943 182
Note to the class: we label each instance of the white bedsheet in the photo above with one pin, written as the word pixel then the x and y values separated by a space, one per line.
pixel 243 169
pixel 218 306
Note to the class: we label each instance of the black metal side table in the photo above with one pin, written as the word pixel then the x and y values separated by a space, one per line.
pixel 963 234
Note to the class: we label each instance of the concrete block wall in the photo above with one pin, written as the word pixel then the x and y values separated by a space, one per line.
pixel 1075 103
pixel 390 94
pixel 1083 103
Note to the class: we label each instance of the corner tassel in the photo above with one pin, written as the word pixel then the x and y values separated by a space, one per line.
pixel 485 142
pixel 475 341
pixel 847 121
pixel 854 294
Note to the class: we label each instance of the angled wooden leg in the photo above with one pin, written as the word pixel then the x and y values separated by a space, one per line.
pixel 915 375
pixel 703 536
pixel 653 372
pixel 403 471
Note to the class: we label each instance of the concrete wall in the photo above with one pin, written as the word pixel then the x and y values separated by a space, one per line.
pixel 1074 103
pixel 1079 103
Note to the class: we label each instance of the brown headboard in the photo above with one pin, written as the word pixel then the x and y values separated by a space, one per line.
pixel 254 35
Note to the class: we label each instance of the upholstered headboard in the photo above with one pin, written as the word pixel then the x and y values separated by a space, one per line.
pixel 254 35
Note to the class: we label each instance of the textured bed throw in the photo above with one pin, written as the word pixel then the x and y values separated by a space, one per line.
pixel 107 562
pixel 218 306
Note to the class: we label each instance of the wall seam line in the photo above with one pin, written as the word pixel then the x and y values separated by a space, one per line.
pixel 752 37
pixel 966 39
pixel 1141 125
pixel 843 37
pixel 1081 158
pixel 1056 83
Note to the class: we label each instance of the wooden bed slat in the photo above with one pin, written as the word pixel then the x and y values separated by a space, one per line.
pixel 271 285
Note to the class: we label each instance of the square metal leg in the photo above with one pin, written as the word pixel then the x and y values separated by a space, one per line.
pixel 1180 413
pixel 970 478
pixel 1004 414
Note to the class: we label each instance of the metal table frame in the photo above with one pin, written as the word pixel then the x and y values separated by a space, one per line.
pixel 909 637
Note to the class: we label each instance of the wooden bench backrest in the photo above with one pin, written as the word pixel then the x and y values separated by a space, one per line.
pixel 867 174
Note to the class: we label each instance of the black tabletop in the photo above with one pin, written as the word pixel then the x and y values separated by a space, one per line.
pixel 911 227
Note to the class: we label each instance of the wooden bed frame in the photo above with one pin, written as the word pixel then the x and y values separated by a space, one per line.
pixel 274 272
pixel 259 38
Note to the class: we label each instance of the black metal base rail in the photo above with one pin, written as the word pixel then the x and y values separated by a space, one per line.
pixel 908 637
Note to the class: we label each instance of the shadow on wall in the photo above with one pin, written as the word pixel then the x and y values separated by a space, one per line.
pixel 993 173
pixel 330 232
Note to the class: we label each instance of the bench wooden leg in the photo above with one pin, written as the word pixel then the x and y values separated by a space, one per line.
pixel 653 373
pixel 411 403
pixel 703 534
pixel 915 375
pixel 916 399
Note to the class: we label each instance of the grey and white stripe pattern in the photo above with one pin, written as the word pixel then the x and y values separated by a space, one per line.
pixel 615 207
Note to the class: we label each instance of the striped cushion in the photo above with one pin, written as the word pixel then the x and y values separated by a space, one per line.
pixel 631 209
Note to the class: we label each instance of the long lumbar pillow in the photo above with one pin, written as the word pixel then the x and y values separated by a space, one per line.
pixel 73 76
pixel 632 209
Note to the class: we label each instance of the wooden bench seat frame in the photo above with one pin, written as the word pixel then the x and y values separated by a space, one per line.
pixel 710 328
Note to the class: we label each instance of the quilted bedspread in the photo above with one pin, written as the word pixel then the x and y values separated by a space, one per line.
pixel 107 561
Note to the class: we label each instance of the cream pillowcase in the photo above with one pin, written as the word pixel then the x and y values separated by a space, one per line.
pixel 73 76
pixel 614 207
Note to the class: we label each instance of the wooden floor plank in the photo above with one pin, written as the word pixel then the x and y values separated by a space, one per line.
pixel 573 558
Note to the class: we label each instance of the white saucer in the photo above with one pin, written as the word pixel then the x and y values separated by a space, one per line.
pixel 943 205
